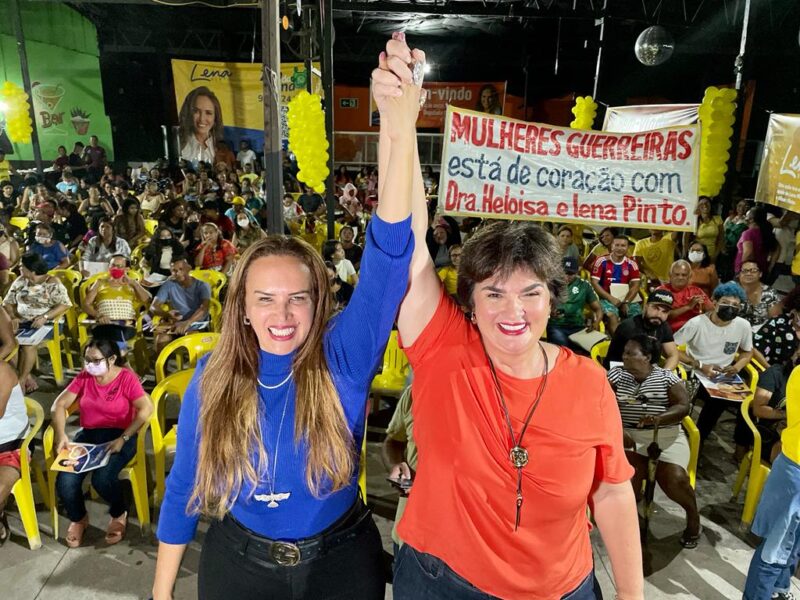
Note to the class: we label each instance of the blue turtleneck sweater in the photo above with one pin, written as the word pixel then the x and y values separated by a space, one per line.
pixel 354 345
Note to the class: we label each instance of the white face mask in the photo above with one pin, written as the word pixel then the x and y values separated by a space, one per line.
pixel 696 256
pixel 245 223
pixel 42 239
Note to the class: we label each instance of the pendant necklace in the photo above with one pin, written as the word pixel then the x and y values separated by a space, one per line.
pixel 272 498
pixel 274 387
pixel 518 453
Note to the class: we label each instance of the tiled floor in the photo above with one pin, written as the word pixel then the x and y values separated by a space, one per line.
pixel 714 571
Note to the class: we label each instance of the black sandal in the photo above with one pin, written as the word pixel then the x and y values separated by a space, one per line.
pixel 5 531
pixel 690 542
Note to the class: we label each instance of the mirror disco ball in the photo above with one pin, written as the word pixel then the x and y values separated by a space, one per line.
pixel 654 46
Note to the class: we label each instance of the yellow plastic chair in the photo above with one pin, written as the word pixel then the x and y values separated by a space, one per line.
pixel 89 282
pixel 54 349
pixel 150 226
pixel 20 222
pixel 13 354
pixel 194 344
pixel 751 468
pixel 137 254
pixel 215 315
pixel 135 472
pixel 600 351
pixel 215 279
pixel 23 489
pixel 71 280
pixel 164 440
pixel 391 381
pixel 362 469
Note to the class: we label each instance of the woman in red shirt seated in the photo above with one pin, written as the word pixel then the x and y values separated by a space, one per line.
pixel 516 437
pixel 113 407
pixel 214 252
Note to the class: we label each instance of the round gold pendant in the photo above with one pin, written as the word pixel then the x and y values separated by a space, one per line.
pixel 519 457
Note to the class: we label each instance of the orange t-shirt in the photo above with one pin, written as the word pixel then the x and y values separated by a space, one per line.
pixel 463 503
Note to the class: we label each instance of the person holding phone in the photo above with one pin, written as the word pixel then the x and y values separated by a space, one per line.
pixel 400 456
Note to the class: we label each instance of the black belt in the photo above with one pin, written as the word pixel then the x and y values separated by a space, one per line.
pixel 12 445
pixel 289 554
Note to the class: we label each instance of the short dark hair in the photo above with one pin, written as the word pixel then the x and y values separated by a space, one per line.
pixel 107 348
pixel 649 345
pixel 328 248
pixel 500 248
pixel 34 262
pixel 43 225
pixel 621 236
pixel 127 259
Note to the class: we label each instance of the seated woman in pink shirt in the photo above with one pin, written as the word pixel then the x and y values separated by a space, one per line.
pixel 113 407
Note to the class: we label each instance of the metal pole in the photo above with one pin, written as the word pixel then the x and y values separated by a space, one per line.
pixel 600 50
pixel 308 33
pixel 16 23
pixel 738 69
pixel 326 15
pixel 271 69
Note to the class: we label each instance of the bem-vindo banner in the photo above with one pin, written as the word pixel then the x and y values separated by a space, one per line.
pixel 779 178
pixel 240 90
pixel 497 167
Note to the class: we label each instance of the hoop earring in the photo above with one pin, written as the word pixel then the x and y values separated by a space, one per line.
pixel 247 321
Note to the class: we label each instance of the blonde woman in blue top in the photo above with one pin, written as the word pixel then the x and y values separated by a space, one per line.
pixel 272 423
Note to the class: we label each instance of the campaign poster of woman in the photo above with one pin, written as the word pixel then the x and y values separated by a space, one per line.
pixel 200 126
pixel 489 100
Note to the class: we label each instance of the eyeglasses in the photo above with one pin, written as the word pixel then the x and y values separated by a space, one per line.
pixel 750 271
pixel 93 361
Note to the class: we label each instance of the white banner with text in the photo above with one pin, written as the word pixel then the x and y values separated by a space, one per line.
pixel 497 167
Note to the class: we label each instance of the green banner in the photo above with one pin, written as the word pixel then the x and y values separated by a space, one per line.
pixel 67 93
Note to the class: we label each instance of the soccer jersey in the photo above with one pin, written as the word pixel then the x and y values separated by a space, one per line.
pixel 606 271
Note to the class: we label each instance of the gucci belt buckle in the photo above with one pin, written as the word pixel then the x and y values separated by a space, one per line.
pixel 285 554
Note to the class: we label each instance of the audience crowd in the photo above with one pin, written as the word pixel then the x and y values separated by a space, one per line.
pixel 106 262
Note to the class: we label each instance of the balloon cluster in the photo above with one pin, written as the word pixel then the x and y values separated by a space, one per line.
pixel 307 139
pixel 17 111
pixel 717 115
pixel 585 111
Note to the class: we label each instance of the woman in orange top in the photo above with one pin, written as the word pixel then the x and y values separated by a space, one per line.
pixel 516 437
pixel 704 273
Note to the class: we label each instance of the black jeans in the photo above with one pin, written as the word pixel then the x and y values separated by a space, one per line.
pixel 105 479
pixel 711 412
pixel 420 576
pixel 232 565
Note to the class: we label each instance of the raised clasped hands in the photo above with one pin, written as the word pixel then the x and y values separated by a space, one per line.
pixel 396 95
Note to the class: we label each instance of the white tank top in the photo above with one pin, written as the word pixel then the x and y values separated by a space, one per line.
pixel 14 424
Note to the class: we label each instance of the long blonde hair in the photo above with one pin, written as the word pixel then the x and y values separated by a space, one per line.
pixel 231 451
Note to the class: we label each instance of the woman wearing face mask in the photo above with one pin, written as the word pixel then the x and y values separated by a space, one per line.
pixel 53 252
pixel 113 303
pixel 271 424
pixel 129 224
pixel 174 219
pixel 704 273
pixel 214 252
pixel 710 229
pixel 113 408
pixel 161 251
pixel 34 300
pixel 246 233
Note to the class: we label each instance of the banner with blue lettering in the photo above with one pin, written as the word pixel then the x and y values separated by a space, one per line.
pixel 501 168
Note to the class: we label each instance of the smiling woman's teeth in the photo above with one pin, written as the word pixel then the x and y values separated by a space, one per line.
pixel 285 332
pixel 519 327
